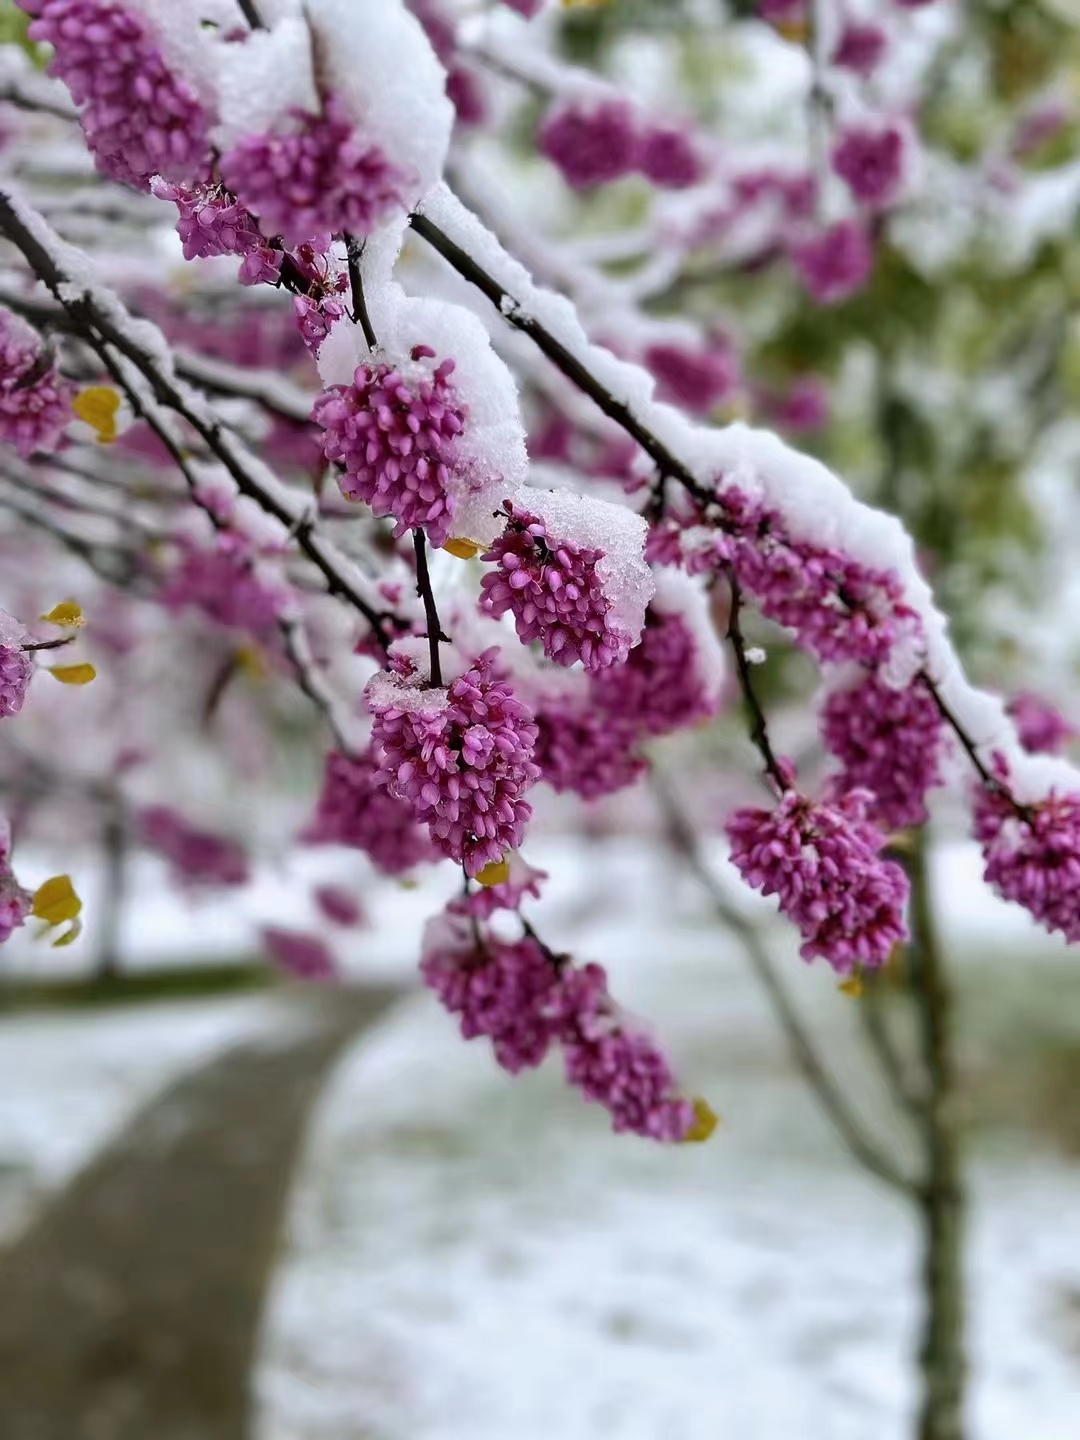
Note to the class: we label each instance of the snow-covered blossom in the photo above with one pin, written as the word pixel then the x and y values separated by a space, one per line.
pixel 16 666
pixel 35 401
pixel 321 176
pixel 591 144
pixel 870 160
pixel 141 118
pixel 495 987
pixel 1032 856
pixel 304 956
pixel 823 862
pixel 1041 726
pixel 225 582
pixel 462 758
pixel 354 810
pixel 695 378
pixel 615 1065
pixel 582 601
pixel 197 857
pixel 836 263
pixel 889 742
pixel 395 433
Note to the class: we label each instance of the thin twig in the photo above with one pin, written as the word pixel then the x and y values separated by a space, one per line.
pixel 424 590
pixel 759 730
pixel 354 250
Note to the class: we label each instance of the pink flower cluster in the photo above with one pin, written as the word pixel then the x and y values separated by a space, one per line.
pixel 213 222
pixel 15 902
pixel 525 1000
pixel 836 263
pixel 823 863
pixel 696 379
pixel 35 401
pixel 581 748
pixel 222 580
pixel 463 767
pixel 870 161
pixel 1041 726
pixel 197 857
pixel 354 810
pixel 595 144
pixel 315 319
pixel 395 436
pixel 140 118
pixel 305 957
pixel 555 593
pixel 1032 856
pixel 320 177
pixel 861 48
pixel 16 666
pixel 889 742
pixel 838 608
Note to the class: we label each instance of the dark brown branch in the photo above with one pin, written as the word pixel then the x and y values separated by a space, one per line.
pixel 424 590
pixel 251 14
pixel 759 730
pixel 354 249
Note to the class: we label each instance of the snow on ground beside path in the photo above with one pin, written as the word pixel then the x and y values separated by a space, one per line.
pixel 477 1258
pixel 72 1081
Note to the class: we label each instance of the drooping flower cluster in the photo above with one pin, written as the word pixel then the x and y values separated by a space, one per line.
pixel 395 435
pixel 593 144
pixel 197 857
pixel 140 117
pixel 582 749
pixel 320 177
pixel 889 742
pixel 697 379
pixel 35 401
pixel 213 222
pixel 823 862
pixel 15 902
pixel 16 666
pixel 525 1000
pixel 224 581
pixel 462 758
pixel 661 686
pixel 354 810
pixel 1032 855
pixel 581 601
pixel 870 160
pixel 836 263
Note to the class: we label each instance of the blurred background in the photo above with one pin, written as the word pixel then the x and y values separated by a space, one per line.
pixel 253 1185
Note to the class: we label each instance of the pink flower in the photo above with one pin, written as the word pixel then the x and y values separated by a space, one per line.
pixel 315 318
pixel 462 765
pixel 836 263
pixel 613 1064
pixel 140 118
pixel 1041 727
pixel 354 810
pixel 35 401
pixel 212 222
pixel 804 408
pixel 197 857
pixel 16 666
pixel 666 155
pixel 555 593
pixel 320 176
pixel 659 688
pixel 494 987
pixel 15 904
pixel 1033 857
pixel 822 861
pixel 860 48
pixel 339 906
pixel 889 742
pixel 870 160
pixel 581 748
pixel 304 956
pixel 223 581
pixel 590 144
pixel 396 437
pixel 695 379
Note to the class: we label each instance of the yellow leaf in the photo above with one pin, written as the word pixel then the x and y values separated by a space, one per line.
pixel 97 405
pixel 495 872
pixel 249 662
pixel 852 986
pixel 80 674
pixel 796 31
pixel 68 615
pixel 705 1122
pixel 463 549
pixel 70 935
pixel 55 901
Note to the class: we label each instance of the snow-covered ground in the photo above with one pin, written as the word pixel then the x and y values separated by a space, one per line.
pixel 473 1256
